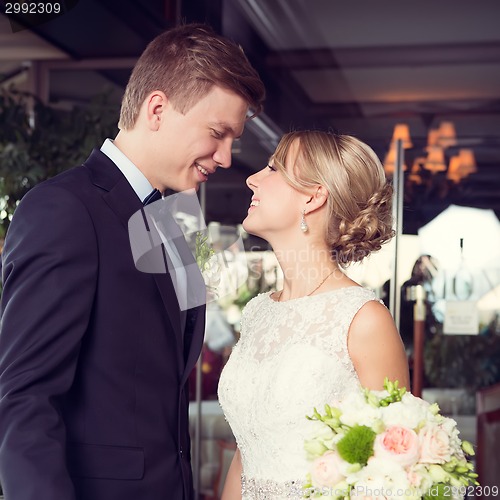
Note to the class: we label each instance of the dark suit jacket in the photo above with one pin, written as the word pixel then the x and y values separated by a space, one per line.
pixel 93 364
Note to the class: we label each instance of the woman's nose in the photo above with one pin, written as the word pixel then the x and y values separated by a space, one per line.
pixel 252 181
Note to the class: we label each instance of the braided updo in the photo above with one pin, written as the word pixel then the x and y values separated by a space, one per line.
pixel 359 197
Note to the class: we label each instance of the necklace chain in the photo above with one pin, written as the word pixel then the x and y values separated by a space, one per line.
pixel 310 293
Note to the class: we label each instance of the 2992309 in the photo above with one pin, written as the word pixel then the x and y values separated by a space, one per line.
pixel 449 491
pixel 32 8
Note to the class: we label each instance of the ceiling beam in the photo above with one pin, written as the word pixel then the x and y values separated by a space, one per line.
pixel 432 55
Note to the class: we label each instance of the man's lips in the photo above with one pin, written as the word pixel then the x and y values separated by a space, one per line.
pixel 204 170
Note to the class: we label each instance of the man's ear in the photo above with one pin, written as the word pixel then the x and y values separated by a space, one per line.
pixel 317 198
pixel 155 106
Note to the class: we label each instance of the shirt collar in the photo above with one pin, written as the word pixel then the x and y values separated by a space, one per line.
pixel 134 176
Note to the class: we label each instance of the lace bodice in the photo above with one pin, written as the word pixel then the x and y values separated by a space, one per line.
pixel 291 357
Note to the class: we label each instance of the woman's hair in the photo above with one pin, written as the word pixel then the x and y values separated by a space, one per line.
pixel 359 203
pixel 184 63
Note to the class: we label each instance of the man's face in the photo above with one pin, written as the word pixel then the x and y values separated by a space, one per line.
pixel 188 148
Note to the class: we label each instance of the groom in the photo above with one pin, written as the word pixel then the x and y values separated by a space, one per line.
pixel 94 353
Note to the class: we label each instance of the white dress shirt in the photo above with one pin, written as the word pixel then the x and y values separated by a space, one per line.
pixel 143 188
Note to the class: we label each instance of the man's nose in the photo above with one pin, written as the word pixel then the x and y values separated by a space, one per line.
pixel 223 154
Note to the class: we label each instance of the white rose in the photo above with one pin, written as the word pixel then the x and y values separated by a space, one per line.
pixel 435 446
pixel 355 411
pixel 410 412
pixel 380 478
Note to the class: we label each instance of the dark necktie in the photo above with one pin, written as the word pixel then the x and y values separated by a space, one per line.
pixel 155 195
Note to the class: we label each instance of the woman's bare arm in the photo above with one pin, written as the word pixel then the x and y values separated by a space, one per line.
pixel 232 486
pixel 376 348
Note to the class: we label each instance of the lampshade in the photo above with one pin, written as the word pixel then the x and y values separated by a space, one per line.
pixel 446 135
pixel 416 170
pixel 402 131
pixel 435 160
pixel 390 160
pixel 432 137
pixel 468 160
pixel 455 172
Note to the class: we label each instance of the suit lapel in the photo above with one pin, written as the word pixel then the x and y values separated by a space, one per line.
pixel 193 338
pixel 196 291
pixel 123 201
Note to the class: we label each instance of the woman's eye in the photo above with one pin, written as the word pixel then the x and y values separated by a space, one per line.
pixel 271 168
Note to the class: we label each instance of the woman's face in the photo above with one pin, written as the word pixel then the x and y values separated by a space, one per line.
pixel 276 207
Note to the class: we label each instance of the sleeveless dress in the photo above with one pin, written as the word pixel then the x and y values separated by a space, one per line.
pixel 291 357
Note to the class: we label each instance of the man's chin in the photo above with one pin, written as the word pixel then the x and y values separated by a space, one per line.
pixel 182 188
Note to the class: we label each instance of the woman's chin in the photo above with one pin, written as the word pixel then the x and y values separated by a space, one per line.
pixel 249 227
pixel 245 224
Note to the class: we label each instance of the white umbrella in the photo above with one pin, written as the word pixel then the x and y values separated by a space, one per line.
pixel 377 268
pixel 478 228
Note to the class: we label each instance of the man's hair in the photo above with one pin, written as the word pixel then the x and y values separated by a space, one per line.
pixel 185 63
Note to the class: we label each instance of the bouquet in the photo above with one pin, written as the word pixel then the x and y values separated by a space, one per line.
pixel 387 444
pixel 207 261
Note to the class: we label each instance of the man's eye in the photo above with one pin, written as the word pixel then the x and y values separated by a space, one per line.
pixel 217 134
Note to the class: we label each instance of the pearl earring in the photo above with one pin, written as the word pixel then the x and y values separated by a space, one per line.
pixel 303 224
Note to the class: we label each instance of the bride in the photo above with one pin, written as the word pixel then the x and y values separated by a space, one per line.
pixel 322 203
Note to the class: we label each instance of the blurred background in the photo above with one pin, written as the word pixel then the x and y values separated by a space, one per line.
pixel 354 67
pixel 426 72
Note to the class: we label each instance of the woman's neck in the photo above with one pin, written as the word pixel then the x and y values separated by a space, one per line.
pixel 307 270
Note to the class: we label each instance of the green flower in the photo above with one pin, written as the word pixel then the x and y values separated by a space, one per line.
pixel 395 393
pixel 467 447
pixel 438 474
pixel 356 447
pixel 314 448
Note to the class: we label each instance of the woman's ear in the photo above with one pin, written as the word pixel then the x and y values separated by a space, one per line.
pixel 155 106
pixel 317 199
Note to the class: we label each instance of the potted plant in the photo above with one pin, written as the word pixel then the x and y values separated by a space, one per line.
pixel 37 145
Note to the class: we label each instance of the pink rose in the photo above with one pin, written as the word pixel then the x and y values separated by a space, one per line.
pixel 326 470
pixel 398 444
pixel 434 445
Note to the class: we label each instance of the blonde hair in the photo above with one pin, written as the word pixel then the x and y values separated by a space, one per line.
pixel 359 203
pixel 184 63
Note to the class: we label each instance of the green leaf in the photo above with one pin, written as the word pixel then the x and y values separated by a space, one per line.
pixel 438 492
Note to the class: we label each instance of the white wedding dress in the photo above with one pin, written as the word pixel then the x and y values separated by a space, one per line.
pixel 291 357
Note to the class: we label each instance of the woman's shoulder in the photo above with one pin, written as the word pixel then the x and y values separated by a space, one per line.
pixel 350 297
pixel 372 326
pixel 257 301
